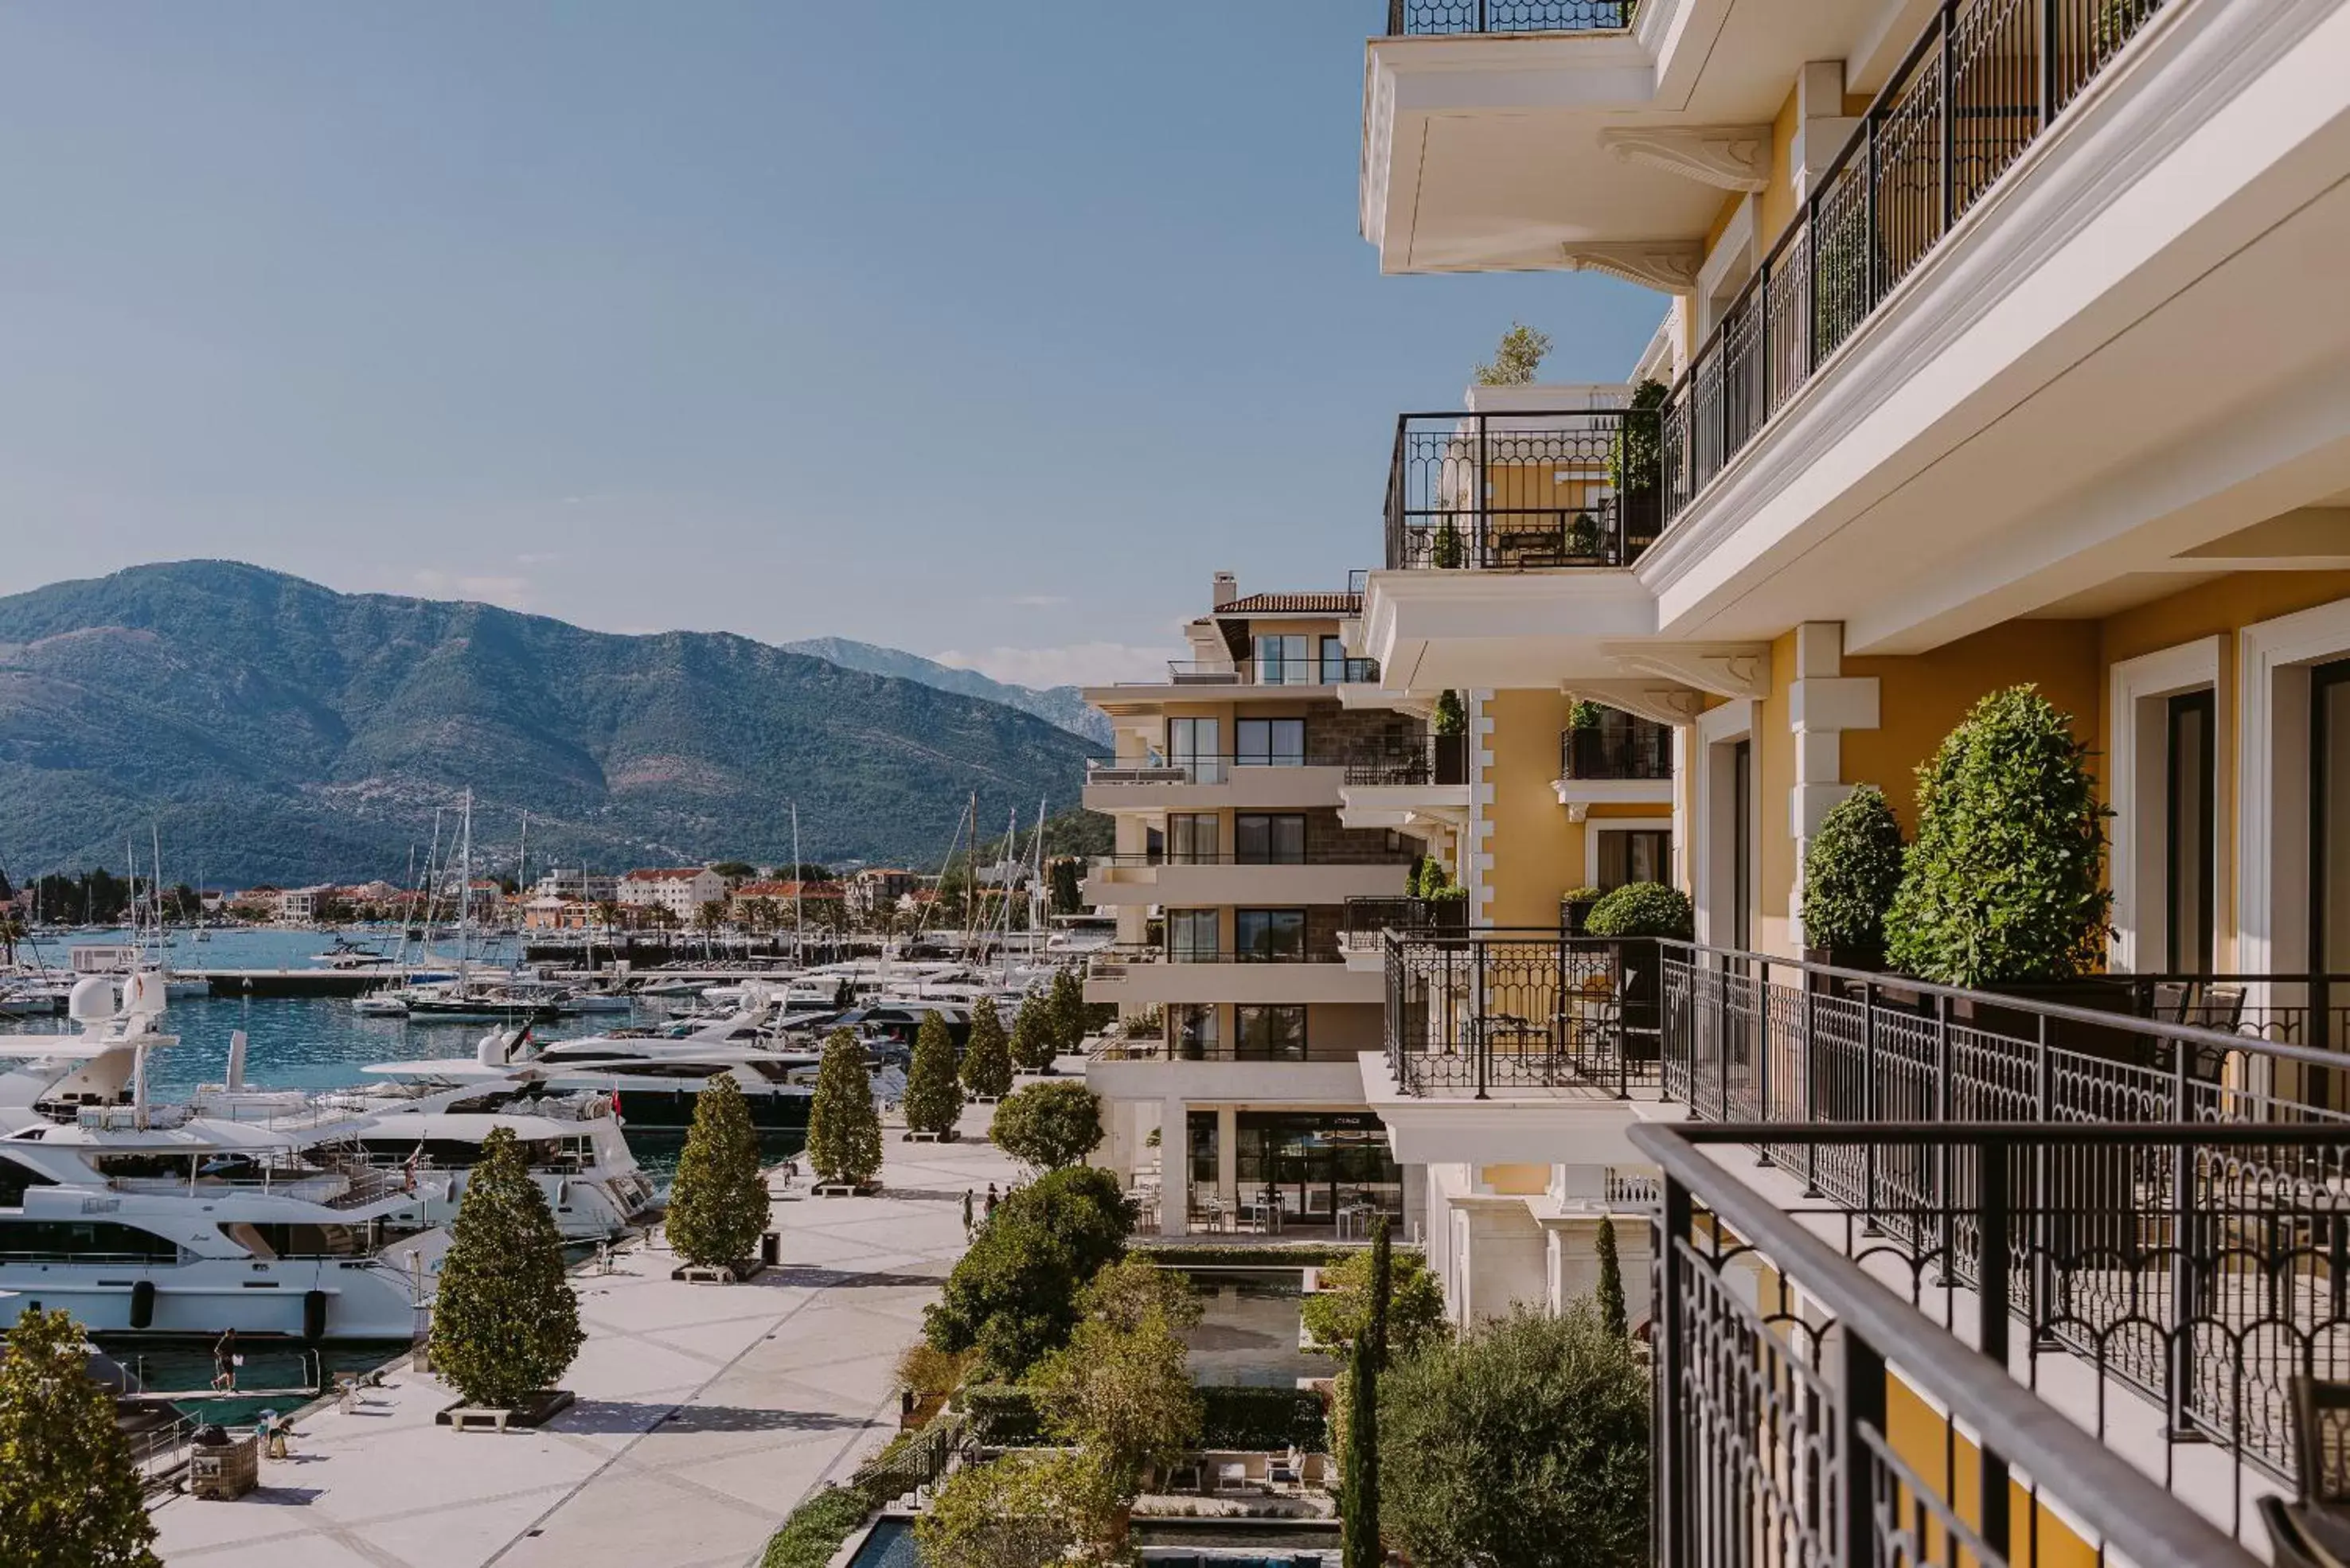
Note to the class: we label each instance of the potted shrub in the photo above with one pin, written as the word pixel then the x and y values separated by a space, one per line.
pixel 933 1098
pixel 1851 873
pixel 1575 910
pixel 1635 464
pixel 718 1204
pixel 1636 917
pixel 505 1323
pixel 844 1140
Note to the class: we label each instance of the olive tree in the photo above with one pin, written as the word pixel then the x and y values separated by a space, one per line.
pixel 718 1205
pixel 1346 1299
pixel 1526 1443
pixel 505 1323
pixel 68 1495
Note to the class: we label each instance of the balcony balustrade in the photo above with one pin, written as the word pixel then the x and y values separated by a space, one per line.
pixel 1247 672
pixel 1847 1383
pixel 1498 1010
pixel 1374 918
pixel 1441 18
pixel 1512 492
pixel 1441 760
pixel 1619 747
pixel 1217 769
pixel 1112 963
pixel 1984 82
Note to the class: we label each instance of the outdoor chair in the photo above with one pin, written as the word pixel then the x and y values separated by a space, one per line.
pixel 2314 1532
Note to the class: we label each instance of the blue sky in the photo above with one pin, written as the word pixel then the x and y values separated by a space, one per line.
pixel 985 330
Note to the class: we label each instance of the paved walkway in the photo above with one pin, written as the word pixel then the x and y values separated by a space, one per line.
pixel 705 1414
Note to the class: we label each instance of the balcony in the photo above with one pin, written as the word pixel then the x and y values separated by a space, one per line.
pixel 1247 672
pixel 1453 18
pixel 1441 760
pixel 1413 785
pixel 1272 781
pixel 1158 975
pixel 1617 748
pixel 1364 926
pixel 1322 879
pixel 1983 84
pixel 1488 1012
pixel 1522 490
pixel 1877 1381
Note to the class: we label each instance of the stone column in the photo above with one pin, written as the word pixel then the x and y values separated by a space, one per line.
pixel 1174 1169
pixel 1822 702
pixel 1228 1154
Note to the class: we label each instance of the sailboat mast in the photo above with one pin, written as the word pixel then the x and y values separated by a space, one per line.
pixel 465 901
pixel 799 885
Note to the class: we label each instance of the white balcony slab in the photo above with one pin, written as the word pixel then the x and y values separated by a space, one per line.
pixel 1157 984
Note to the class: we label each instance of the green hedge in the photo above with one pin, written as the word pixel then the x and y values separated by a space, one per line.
pixel 1005 1417
pixel 813 1533
pixel 1252 1419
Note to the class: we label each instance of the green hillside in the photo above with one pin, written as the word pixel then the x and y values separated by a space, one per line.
pixel 277 729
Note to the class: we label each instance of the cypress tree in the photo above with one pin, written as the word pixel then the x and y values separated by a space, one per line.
pixel 1033 1043
pixel 1612 1315
pixel 68 1495
pixel 933 1098
pixel 718 1205
pixel 1067 999
pixel 1360 1516
pixel 844 1145
pixel 987 1056
pixel 506 1323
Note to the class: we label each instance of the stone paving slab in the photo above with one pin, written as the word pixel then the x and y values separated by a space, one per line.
pixel 705 1414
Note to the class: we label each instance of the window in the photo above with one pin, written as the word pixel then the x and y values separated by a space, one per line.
pixel 1193 936
pixel 1333 661
pixel 1191 838
pixel 1271 1033
pixel 1270 742
pixel 1269 935
pixel 14 1179
pixel 1640 856
pixel 1742 805
pixel 83 1240
pixel 2190 832
pixel 1192 1027
pixel 1263 840
pixel 1196 743
pixel 2329 818
pixel 1284 659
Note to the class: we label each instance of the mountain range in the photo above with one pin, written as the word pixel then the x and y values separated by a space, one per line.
pixel 275 730
pixel 1063 705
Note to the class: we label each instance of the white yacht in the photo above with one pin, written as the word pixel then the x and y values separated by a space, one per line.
pixel 271 1212
pixel 651 1080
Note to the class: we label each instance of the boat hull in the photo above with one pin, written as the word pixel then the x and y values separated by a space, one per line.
pixel 674 1108
pixel 208 1296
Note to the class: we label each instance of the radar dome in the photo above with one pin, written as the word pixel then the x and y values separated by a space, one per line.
pixel 91 999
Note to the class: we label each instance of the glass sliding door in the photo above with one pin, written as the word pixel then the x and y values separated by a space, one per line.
pixel 1192 839
pixel 2329 844
pixel 1284 660
pixel 1269 936
pixel 2190 832
pixel 1267 840
pixel 1193 936
pixel 1197 744
pixel 1742 838
pixel 1269 743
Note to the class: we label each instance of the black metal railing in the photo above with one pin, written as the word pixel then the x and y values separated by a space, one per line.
pixel 1108 962
pixel 1810 1417
pixel 1373 918
pixel 1203 769
pixel 1983 83
pixel 1428 759
pixel 1621 747
pixel 1248 672
pixel 1339 856
pixel 1509 492
pixel 1431 18
pixel 1496 1009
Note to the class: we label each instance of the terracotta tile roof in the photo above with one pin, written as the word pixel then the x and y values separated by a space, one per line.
pixel 1294 604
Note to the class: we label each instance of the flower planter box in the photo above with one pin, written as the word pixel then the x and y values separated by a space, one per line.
pixel 535 1411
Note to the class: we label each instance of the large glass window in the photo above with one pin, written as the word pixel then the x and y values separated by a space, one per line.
pixel 1284 659
pixel 1197 743
pixel 1269 935
pixel 1191 838
pixel 1317 1166
pixel 1333 661
pixel 1192 1028
pixel 83 1239
pixel 2188 834
pixel 1269 1033
pixel 1193 936
pixel 1741 840
pixel 1258 839
pixel 1270 742
pixel 1642 855
pixel 2329 827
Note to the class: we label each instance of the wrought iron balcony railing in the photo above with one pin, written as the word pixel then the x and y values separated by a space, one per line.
pixel 1622 747
pixel 1983 83
pixel 1838 1382
pixel 1339 856
pixel 1374 918
pixel 1332 672
pixel 1431 760
pixel 1208 770
pixel 1511 492
pixel 1111 962
pixel 1498 1010
pixel 1437 18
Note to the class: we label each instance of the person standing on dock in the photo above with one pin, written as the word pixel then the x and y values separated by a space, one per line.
pixel 966 1213
pixel 225 1360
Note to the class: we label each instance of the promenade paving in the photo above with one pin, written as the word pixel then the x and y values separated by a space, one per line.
pixel 705 1414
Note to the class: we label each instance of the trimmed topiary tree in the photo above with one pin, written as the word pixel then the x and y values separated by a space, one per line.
pixel 1032 1038
pixel 933 1096
pixel 1065 1007
pixel 1452 717
pixel 1851 871
pixel 718 1206
pixel 844 1143
pixel 1524 1443
pixel 987 1055
pixel 1048 1125
pixel 1642 909
pixel 68 1495
pixel 2005 882
pixel 505 1323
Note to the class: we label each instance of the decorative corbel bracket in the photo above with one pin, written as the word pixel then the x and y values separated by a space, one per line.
pixel 1723 669
pixel 1667 264
pixel 1727 157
